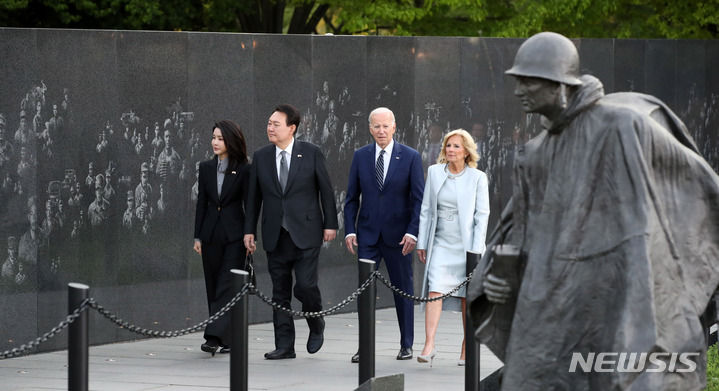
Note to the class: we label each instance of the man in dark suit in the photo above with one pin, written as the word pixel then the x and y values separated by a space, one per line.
pixel 290 181
pixel 384 225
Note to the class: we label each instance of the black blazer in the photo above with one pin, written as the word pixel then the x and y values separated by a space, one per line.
pixel 226 208
pixel 308 202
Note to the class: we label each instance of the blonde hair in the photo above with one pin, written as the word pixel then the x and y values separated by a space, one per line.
pixel 467 142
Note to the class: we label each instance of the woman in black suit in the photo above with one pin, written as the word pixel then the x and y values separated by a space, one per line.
pixel 219 224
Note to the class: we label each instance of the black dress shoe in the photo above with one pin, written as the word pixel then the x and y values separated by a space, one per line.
pixel 209 348
pixel 279 354
pixel 404 354
pixel 224 349
pixel 314 342
pixel 355 358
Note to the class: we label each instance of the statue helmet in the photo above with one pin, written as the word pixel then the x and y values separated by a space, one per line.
pixel 548 56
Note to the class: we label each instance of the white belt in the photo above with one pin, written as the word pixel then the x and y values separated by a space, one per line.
pixel 447 214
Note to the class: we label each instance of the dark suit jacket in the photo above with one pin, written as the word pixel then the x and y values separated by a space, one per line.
pixel 225 209
pixel 394 211
pixel 308 202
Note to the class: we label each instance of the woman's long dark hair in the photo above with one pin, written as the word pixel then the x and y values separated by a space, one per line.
pixel 234 142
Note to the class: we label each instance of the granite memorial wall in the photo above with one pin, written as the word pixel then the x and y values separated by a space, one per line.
pixel 101 133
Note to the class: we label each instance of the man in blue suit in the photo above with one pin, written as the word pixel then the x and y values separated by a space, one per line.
pixel 384 225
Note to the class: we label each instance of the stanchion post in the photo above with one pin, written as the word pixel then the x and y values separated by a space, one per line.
pixel 367 303
pixel 471 369
pixel 238 345
pixel 78 340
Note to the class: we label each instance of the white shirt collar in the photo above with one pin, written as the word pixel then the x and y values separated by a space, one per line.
pixel 387 149
pixel 288 149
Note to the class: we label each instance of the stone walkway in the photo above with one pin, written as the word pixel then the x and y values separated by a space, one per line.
pixel 178 364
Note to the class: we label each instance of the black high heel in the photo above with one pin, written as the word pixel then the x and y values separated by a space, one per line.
pixel 209 348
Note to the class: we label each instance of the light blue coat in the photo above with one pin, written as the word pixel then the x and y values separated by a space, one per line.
pixel 473 211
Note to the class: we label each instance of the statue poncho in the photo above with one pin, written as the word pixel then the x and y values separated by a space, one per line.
pixel 617 220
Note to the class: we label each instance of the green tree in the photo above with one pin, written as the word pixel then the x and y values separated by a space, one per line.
pixel 604 18
pixel 496 18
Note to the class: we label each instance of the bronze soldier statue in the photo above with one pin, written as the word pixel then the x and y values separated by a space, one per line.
pixel 615 221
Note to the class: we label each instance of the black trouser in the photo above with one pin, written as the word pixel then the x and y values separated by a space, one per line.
pixel 281 262
pixel 219 257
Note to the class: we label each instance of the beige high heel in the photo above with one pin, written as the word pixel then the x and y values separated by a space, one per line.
pixel 427 358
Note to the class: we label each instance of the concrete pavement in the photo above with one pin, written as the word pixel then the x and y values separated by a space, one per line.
pixel 178 364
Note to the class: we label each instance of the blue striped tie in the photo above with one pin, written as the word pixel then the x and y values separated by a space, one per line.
pixel 379 170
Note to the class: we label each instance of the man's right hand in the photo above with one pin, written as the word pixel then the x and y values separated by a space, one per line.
pixel 250 244
pixel 351 242
pixel 496 289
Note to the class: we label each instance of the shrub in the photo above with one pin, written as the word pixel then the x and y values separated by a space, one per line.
pixel 712 369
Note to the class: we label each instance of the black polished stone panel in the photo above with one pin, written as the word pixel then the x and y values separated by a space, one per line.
pixel 437 104
pixel 52 308
pixel 18 277
pixel 391 83
pixel 220 75
pixel 78 69
pixel 153 85
pixel 691 72
pixel 482 67
pixel 159 120
pixel 629 65
pixel 335 115
pixel 337 110
pixel 489 105
pixel 711 122
pixel 19 70
pixel 282 74
pixel 596 58
pixel 711 76
pixel 505 50
pixel 20 93
pixel 660 70
pixel 20 319
pixel 690 95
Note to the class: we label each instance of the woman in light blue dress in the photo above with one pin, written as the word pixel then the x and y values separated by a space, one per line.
pixel 453 220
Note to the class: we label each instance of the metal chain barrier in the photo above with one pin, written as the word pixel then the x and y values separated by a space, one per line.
pixel 424 299
pixel 249 288
pixel 328 311
pixel 170 334
pixel 63 325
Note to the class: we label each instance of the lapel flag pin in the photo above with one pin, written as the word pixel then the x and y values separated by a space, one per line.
pixel 299 155
pixel 396 157
pixel 234 172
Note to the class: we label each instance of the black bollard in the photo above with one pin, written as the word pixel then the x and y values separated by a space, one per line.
pixel 367 301
pixel 471 369
pixel 238 345
pixel 77 339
